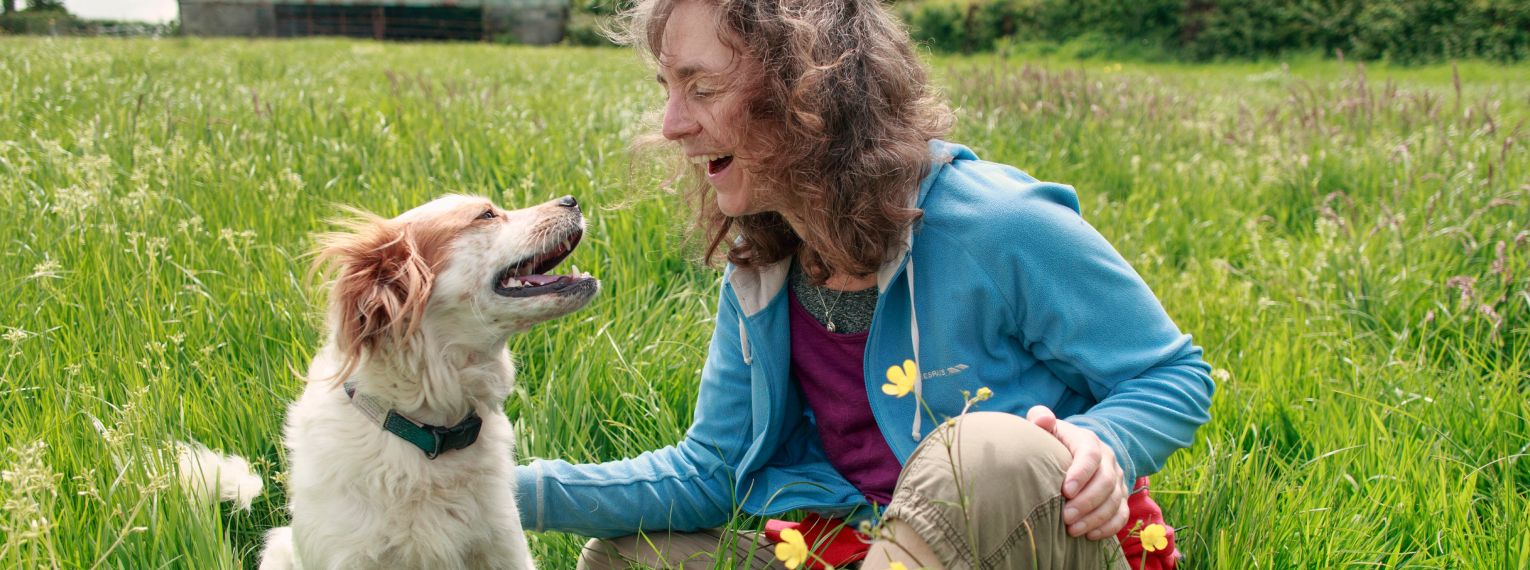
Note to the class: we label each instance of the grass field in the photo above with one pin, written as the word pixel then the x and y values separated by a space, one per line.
pixel 1351 246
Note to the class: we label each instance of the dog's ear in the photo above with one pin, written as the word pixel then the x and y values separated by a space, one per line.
pixel 381 285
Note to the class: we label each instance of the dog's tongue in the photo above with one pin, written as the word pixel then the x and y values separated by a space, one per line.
pixel 540 279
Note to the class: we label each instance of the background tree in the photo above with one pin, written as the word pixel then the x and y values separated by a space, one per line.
pixel 44 5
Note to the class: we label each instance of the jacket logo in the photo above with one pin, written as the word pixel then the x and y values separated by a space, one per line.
pixel 942 372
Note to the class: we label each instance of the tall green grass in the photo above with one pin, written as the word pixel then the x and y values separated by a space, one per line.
pixel 1351 246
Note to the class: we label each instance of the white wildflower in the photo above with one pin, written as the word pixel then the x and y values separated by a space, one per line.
pixel 15 335
pixel 29 487
pixel 48 269
pixel 156 245
pixel 190 226
pixel 85 485
pixel 292 179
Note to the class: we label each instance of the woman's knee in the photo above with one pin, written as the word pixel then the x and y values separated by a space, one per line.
pixel 988 487
pixel 600 554
pixel 1002 443
pixel 1000 462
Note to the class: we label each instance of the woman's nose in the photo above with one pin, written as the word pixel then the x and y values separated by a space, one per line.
pixel 677 120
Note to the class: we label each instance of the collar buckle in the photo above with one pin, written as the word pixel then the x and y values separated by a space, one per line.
pixel 459 436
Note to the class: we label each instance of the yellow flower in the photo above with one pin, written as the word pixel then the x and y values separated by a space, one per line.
pixel 793 549
pixel 900 380
pixel 1154 538
pixel 897 566
pixel 984 394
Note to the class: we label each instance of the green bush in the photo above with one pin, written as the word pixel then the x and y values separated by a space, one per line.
pixel 939 25
pixel 40 22
pixel 587 18
pixel 584 29
pixel 602 7
pixel 1398 30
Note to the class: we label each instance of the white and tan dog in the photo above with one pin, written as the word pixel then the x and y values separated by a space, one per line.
pixel 399 447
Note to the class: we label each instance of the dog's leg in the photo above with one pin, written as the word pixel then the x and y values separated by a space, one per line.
pixel 278 553
pixel 520 552
pixel 509 550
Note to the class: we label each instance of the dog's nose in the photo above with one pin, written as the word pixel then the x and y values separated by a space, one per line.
pixel 568 202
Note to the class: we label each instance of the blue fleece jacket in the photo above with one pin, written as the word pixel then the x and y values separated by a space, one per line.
pixel 1002 284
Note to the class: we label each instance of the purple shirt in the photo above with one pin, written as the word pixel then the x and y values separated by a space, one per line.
pixel 828 368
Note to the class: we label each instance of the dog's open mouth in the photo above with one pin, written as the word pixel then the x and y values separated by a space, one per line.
pixel 531 277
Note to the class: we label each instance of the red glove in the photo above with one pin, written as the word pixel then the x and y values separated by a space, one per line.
pixel 832 541
pixel 1140 512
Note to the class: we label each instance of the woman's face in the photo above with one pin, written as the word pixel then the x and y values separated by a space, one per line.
pixel 704 109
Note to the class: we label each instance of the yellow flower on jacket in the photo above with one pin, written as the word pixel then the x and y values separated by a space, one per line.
pixel 896 566
pixel 792 550
pixel 901 379
pixel 1154 538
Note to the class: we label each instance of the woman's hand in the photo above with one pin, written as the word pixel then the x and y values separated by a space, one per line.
pixel 1094 486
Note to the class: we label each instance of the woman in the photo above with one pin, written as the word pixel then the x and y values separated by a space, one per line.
pixel 877 277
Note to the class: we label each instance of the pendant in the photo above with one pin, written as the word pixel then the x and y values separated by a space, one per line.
pixel 831 326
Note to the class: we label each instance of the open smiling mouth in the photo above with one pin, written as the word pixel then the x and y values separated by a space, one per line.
pixel 718 165
pixel 529 277
pixel 715 163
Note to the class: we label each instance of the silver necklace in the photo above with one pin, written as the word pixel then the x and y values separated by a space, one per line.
pixel 828 311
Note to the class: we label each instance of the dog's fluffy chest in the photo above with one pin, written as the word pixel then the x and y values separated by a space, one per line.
pixel 407 510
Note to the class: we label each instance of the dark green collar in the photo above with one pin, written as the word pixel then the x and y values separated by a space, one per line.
pixel 433 440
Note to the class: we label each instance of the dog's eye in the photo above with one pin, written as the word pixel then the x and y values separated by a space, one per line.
pixel 488 214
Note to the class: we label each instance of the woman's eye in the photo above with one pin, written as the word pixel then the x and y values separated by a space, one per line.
pixel 488 215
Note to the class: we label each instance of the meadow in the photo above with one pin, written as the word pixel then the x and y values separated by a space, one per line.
pixel 1350 244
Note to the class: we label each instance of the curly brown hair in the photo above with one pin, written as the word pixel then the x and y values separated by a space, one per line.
pixel 839 118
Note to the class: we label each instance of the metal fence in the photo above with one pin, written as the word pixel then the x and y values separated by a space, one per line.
pixel 380 22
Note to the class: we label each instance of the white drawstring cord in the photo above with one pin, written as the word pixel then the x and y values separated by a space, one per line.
pixel 913 323
pixel 743 342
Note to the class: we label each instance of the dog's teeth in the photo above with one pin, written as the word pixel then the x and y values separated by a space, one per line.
pixel 573 271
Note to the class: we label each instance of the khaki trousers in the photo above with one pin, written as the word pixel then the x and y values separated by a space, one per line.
pixel 1002 509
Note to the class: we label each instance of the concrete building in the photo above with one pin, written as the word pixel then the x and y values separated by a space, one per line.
pixel 526 21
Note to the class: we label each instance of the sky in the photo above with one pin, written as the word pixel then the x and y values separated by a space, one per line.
pixel 135 10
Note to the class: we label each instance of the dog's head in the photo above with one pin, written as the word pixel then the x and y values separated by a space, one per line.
pixel 458 265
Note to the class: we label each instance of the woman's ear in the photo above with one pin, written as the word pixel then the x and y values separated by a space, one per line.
pixel 381 285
